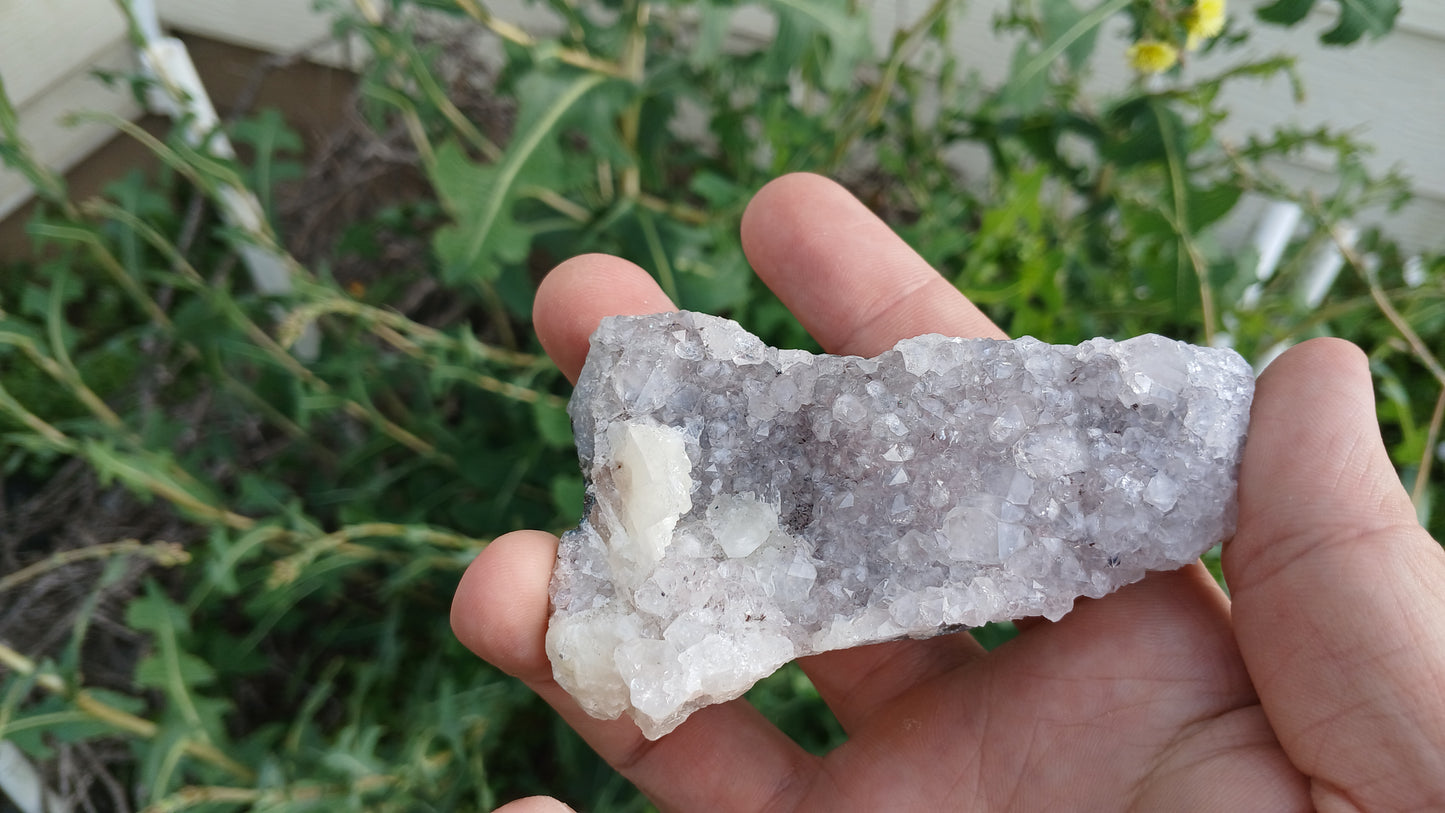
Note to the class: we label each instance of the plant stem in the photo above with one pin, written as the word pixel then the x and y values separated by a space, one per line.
pixel 116 718
pixel 107 261
pixel 288 569
pixel 328 301
pixel 53 437
pixel 262 339
pixel 1417 347
pixel 66 377
pixel 659 254
pixel 634 64
pixel 267 798
pixel 1181 221
pixel 678 211
pixel 1047 57
pixel 905 48
pixel 166 553
pixel 513 34
pixel 406 57
pixel 1432 437
pixel 49 186
pixel 573 211
pixel 171 492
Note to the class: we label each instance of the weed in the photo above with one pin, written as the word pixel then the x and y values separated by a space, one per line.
pixel 292 653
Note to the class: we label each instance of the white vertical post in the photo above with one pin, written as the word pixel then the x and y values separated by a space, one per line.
pixel 1326 264
pixel 1414 271
pixel 1324 268
pixel 1276 226
pixel 179 93
pixel 20 782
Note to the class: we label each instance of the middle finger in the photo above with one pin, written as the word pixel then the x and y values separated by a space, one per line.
pixel 858 288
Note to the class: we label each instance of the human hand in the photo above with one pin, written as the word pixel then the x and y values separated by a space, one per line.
pixel 1322 683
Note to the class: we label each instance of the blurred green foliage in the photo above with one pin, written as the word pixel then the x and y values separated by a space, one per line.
pixel 297 655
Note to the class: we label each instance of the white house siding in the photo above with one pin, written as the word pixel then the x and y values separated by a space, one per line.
pixel 280 26
pixel 283 26
pixel 47 49
pixel 1389 91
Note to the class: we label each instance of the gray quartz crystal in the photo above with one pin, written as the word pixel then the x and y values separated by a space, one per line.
pixel 748 505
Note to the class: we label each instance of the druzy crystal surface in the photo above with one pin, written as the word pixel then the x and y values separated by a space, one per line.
pixel 748 505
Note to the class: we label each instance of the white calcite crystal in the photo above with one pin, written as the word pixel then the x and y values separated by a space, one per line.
pixel 748 505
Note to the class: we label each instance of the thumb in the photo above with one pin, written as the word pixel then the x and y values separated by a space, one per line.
pixel 534 804
pixel 1338 592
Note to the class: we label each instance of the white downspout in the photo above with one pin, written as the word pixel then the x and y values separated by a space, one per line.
pixel 20 782
pixel 1320 275
pixel 1270 239
pixel 179 94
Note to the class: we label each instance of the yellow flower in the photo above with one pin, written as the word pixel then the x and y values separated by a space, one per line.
pixel 1152 56
pixel 1204 21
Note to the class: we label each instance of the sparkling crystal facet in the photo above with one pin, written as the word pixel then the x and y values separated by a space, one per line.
pixel 748 505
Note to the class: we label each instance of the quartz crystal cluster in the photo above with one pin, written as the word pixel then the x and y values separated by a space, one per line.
pixel 748 505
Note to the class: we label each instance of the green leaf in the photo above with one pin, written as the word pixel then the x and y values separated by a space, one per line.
pixel 1396 408
pixel 720 191
pixel 1357 19
pixel 714 23
pixel 994 634
pixel 1284 12
pixel 1059 17
pixel 484 234
pixel 1206 206
pixel 1145 131
pixel 1361 17
pixel 270 138
pixel 223 555
pixel 841 31
pixel 552 423
pixel 1028 72
pixel 1027 88
pixel 170 668
pixel 154 671
pixel 155 613
pixel 568 494
pixel 124 702
pixel 148 474
pixel 32 733
pixel 161 757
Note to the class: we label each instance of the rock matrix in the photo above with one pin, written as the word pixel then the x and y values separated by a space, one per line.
pixel 748 505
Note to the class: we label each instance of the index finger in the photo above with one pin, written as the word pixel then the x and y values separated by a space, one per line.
pixel 855 285
pixel 579 293
pixel 1338 591
pixel 858 288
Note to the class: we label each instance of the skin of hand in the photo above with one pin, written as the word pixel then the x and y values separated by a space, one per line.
pixel 1319 685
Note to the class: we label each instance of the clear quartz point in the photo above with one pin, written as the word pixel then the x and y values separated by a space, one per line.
pixel 748 505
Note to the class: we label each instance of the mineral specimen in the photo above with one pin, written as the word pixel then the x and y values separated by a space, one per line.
pixel 748 505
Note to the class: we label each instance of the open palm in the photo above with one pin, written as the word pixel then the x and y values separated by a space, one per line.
pixel 1321 684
